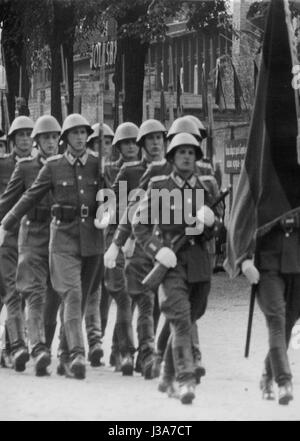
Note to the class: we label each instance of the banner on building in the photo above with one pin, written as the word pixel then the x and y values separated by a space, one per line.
pixel 234 155
pixel 103 51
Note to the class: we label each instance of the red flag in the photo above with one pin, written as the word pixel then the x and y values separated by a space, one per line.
pixel 269 183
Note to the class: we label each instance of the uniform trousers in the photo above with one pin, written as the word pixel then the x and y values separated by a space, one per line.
pixel 279 299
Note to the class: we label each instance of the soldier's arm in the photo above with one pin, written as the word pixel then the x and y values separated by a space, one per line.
pixel 14 190
pixel 30 198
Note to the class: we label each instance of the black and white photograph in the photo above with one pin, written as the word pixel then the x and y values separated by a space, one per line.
pixel 149 213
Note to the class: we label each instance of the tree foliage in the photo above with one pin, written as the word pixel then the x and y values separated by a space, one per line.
pixel 33 24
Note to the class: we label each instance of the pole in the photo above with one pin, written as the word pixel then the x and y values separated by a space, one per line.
pixel 250 319
pixel 171 85
pixel 64 110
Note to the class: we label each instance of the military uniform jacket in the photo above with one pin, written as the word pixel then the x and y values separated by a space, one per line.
pixel 73 182
pixel 194 255
pixel 35 228
pixel 156 168
pixel 277 251
pixel 130 173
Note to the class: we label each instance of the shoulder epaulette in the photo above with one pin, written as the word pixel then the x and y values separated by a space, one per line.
pixel 93 153
pixel 28 158
pixel 130 164
pixel 206 178
pixel 158 178
pixel 53 158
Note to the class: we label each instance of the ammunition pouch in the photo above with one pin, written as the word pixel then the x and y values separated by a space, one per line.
pixel 68 213
pixel 39 214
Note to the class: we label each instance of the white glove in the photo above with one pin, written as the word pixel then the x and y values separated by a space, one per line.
pixel 206 216
pixel 2 235
pixel 250 271
pixel 166 257
pixel 102 223
pixel 111 255
pixel 129 247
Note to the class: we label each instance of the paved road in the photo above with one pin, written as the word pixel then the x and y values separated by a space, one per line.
pixel 228 392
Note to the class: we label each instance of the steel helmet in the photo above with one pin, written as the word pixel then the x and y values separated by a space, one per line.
pixel 45 124
pixel 184 139
pixel 126 130
pixel 201 128
pixel 149 126
pixel 185 125
pixel 107 131
pixel 19 123
pixel 75 120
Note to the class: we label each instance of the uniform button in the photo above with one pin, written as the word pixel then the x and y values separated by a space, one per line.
pixel 82 220
pixel 28 222
pixel 58 222
pixel 172 207
pixel 64 183
pixel 80 177
pixel 81 191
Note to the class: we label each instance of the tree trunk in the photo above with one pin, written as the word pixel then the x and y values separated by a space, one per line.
pixel 135 56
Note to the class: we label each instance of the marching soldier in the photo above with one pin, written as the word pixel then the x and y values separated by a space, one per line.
pixel 164 168
pixel 33 264
pixel 19 136
pixel 151 137
pixel 277 269
pixel 183 293
pixel 125 142
pixel 76 246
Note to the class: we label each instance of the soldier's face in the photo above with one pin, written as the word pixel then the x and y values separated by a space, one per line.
pixel 23 141
pixel 77 138
pixel 129 150
pixel 48 143
pixel 185 158
pixel 154 144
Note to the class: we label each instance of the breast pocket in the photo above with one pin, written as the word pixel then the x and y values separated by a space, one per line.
pixel 65 191
pixel 92 187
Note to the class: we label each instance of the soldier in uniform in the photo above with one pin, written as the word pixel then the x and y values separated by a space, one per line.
pixel 33 263
pixel 125 142
pixel 276 266
pixel 151 138
pixel 76 246
pixel 183 292
pixel 19 136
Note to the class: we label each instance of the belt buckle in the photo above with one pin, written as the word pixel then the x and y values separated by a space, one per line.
pixel 84 211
